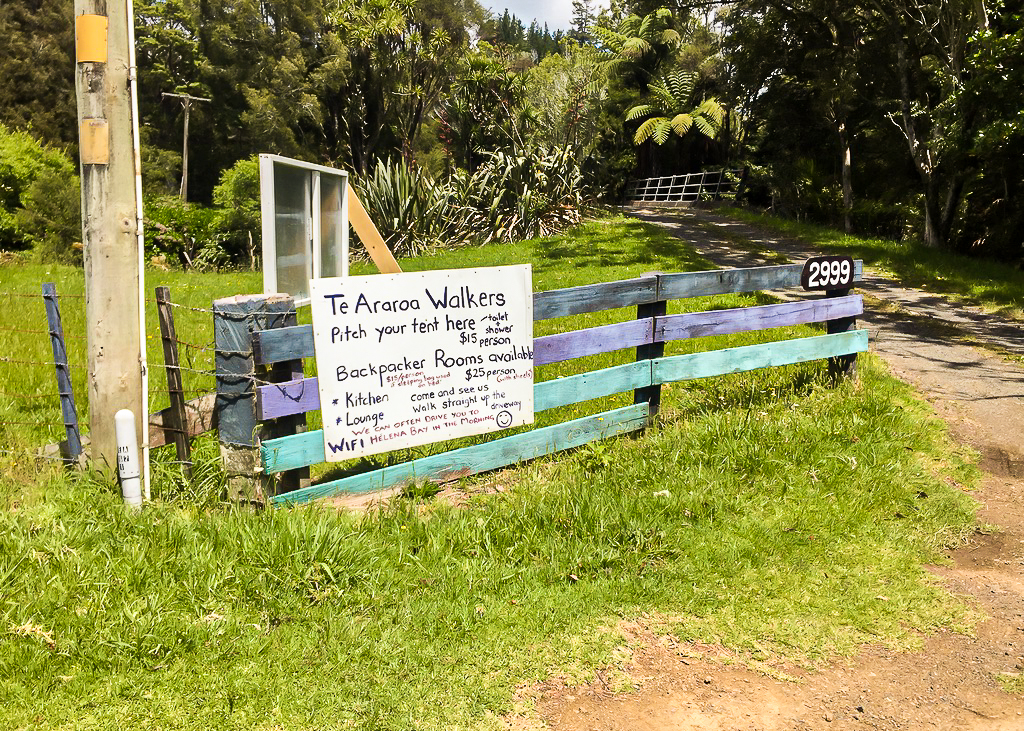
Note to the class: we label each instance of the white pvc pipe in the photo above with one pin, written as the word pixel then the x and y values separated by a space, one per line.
pixel 133 80
pixel 128 458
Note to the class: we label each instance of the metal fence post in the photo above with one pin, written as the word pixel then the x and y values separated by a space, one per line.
pixel 71 447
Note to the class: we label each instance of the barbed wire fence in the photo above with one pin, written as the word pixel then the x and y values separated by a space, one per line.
pixel 31 423
pixel 34 374
pixel 182 356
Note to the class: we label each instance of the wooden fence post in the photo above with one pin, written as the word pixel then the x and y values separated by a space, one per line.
pixel 659 308
pixel 842 365
pixel 72 446
pixel 234 321
pixel 177 423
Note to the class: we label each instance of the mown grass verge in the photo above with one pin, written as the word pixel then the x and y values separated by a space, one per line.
pixel 769 512
pixel 994 285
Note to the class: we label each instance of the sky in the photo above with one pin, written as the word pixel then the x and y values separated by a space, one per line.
pixel 556 13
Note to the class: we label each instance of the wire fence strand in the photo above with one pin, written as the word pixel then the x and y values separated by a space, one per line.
pixel 28 396
pixel 41 424
pixel 37 454
pixel 39 295
pixel 22 331
pixel 50 363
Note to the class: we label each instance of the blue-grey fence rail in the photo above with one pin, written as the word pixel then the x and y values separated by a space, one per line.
pixel 647 333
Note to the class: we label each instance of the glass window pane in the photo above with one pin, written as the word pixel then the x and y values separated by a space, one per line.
pixel 291 221
pixel 331 226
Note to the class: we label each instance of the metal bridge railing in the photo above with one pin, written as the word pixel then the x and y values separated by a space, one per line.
pixel 683 188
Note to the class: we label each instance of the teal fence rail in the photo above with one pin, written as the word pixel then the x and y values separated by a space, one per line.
pixel 648 333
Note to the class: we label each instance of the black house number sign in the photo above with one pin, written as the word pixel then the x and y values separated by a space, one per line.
pixel 827 272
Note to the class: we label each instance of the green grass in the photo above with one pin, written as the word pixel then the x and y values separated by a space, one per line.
pixel 1012 683
pixel 769 512
pixel 996 286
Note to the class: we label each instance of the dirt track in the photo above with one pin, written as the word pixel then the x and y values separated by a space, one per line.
pixel 950 683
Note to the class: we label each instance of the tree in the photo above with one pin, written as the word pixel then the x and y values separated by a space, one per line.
pixel 582 20
pixel 39 197
pixel 261 64
pixel 237 197
pixel 486 109
pixel 636 39
pixel 671 110
pixel 932 39
pixel 510 31
pixel 342 82
pixel 565 92
pixel 401 54
pixel 810 48
pixel 993 212
pixel 663 69
pixel 881 75
pixel 37 57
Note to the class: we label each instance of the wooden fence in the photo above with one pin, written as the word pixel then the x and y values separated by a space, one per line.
pixel 648 333
pixel 688 188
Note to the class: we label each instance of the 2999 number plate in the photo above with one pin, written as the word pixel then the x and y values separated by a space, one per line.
pixel 827 272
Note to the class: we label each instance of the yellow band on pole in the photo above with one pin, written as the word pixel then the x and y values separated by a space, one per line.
pixel 370 236
pixel 91 38
pixel 94 141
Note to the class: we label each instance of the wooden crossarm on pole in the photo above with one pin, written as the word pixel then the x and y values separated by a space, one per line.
pixel 186 103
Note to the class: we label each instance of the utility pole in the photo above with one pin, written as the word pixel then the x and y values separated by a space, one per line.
pixel 109 222
pixel 186 102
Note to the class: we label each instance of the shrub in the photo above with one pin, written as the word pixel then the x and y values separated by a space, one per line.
pixel 52 216
pixel 237 197
pixel 35 211
pixel 185 232
pixel 523 195
pixel 411 211
pixel 511 196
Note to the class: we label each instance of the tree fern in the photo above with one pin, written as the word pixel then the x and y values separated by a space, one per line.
pixel 670 109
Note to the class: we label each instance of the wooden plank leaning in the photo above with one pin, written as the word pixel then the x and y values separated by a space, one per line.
pixel 370 236
pixel 200 417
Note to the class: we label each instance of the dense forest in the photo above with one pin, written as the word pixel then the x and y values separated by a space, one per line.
pixel 898 118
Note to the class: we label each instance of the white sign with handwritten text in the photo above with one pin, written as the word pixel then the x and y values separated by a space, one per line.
pixel 420 357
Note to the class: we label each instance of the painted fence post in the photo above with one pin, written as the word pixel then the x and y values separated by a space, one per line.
pixel 843 365
pixel 651 395
pixel 72 446
pixel 177 422
pixel 234 321
pixel 284 426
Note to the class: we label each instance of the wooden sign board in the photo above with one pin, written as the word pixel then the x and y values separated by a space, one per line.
pixel 421 357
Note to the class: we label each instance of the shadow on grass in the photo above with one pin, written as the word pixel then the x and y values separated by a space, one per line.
pixel 984 282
